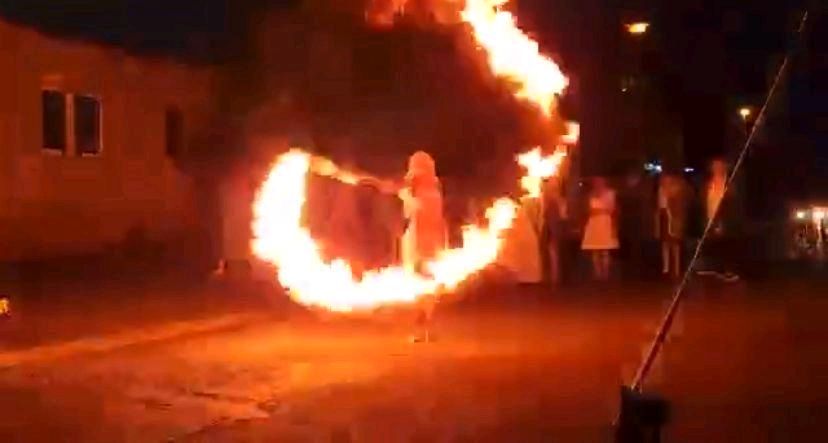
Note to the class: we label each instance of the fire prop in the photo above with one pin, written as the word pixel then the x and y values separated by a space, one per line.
pixel 281 240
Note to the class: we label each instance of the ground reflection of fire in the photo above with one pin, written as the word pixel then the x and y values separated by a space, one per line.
pixel 281 240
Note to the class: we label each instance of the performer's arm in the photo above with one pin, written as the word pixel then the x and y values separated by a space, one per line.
pixel 384 186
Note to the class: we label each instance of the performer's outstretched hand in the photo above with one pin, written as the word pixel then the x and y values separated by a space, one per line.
pixel 384 186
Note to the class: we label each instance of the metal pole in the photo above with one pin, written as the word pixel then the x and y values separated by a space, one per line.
pixel 631 396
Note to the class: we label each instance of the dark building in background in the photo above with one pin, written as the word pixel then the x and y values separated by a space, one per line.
pixel 671 94
pixel 91 144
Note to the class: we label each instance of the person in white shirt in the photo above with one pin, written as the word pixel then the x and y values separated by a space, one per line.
pixel 425 235
pixel 716 188
pixel 715 192
pixel 600 235
pixel 671 221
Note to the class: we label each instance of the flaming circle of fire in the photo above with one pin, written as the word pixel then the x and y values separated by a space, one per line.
pixel 281 240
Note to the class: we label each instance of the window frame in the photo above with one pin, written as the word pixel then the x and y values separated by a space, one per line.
pixel 74 136
pixel 70 139
pixel 67 138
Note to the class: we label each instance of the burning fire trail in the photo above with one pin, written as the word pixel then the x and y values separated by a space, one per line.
pixel 513 54
pixel 281 240
pixel 538 168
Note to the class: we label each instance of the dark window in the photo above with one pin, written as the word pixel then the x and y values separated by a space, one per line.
pixel 174 131
pixel 54 120
pixel 87 125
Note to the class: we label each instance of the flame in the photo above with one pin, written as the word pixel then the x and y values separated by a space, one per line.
pixel 538 168
pixel 513 54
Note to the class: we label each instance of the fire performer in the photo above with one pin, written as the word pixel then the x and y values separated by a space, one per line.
pixel 422 197
pixel 425 233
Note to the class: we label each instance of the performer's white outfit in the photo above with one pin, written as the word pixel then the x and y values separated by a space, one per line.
pixel 408 242
pixel 425 235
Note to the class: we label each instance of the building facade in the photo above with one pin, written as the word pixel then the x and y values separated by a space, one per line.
pixel 90 144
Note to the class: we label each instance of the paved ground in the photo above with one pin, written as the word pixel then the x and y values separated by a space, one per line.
pixel 511 365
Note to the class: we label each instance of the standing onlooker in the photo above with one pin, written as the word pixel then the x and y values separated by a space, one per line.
pixel 555 215
pixel 720 217
pixel 599 234
pixel 635 209
pixel 521 254
pixel 671 221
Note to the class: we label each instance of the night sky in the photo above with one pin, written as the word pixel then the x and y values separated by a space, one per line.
pixel 706 56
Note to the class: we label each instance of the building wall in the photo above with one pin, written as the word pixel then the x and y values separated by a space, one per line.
pixel 52 204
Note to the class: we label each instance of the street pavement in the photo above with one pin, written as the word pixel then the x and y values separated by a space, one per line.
pixel 509 364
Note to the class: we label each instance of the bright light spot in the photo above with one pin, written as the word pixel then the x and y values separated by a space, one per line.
pixel 819 215
pixel 745 112
pixel 800 215
pixel 538 168
pixel 573 133
pixel 653 167
pixel 638 28
pixel 689 170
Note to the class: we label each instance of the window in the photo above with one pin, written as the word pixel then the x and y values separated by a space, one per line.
pixel 87 125
pixel 54 120
pixel 174 131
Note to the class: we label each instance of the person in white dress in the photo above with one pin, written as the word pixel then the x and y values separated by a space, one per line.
pixel 600 236
pixel 425 235
pixel 521 254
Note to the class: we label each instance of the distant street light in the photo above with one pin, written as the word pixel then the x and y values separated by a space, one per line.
pixel 638 28
pixel 745 112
